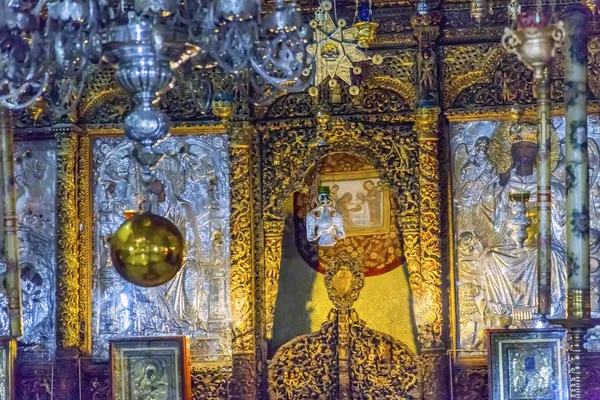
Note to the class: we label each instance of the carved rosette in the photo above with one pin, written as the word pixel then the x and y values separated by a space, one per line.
pixel 241 260
pixel 67 226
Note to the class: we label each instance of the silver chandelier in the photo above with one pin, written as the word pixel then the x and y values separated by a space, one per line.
pixel 53 45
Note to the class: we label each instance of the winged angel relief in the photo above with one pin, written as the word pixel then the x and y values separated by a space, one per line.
pixel 325 223
pixel 191 190
pixel 497 277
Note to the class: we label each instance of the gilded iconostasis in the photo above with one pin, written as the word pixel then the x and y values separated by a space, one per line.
pixel 415 136
pixel 369 214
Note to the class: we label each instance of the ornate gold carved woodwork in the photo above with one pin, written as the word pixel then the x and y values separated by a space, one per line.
pixel 273 229
pixel 467 65
pixel 210 382
pixel 99 90
pixel 396 72
pixel 388 87
pixel 510 82
pixel 393 40
pixel 68 297
pixel 104 101
pixel 344 279
pixel 483 75
pixel 470 384
pixel 594 66
pixel 244 380
pixel 94 379
pixel 426 30
pixel 34 381
pixel 112 110
pixel 261 349
pixel 289 153
pixel 427 281
pixel 344 359
pixel 85 243
pixel 405 87
pixel 306 367
pixel 435 375
pixel 503 113
pixel 242 270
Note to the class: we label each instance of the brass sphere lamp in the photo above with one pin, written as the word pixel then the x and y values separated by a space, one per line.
pixel 147 249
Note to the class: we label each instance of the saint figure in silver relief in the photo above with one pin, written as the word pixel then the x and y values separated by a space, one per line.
pixel 497 275
pixel 190 188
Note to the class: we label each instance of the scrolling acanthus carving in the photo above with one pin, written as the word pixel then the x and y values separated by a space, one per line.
pixel 68 289
pixel 344 359
pixel 394 152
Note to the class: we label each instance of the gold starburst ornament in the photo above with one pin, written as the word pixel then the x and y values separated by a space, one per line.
pixel 335 48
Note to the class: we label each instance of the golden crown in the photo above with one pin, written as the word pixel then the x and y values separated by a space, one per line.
pixel 519 130
pixel 523 132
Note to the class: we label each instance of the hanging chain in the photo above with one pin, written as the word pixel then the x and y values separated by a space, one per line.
pixel 314 190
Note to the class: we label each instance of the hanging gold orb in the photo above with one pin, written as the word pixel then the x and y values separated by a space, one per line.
pixel 147 250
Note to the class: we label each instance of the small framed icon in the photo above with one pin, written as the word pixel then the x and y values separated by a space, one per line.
pixel 527 364
pixel 150 368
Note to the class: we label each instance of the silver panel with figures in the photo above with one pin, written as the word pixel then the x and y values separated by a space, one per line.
pixel 496 273
pixel 35 176
pixel 192 190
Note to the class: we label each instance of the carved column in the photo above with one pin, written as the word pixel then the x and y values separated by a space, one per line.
pixel 544 196
pixel 273 239
pixel 578 225
pixel 428 312
pixel 429 221
pixel 68 296
pixel 11 241
pixel 242 271
pixel 8 346
pixel 578 319
pixel 431 316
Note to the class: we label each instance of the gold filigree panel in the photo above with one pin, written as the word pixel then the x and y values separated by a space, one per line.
pixel 241 269
pixel 211 382
pixel 594 66
pixel 344 359
pixel 467 65
pixel 289 154
pixel 101 88
pixel 484 75
pixel 69 291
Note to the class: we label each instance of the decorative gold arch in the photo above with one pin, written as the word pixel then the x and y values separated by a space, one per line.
pixel 468 65
pixel 290 149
